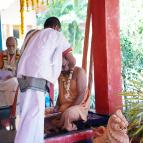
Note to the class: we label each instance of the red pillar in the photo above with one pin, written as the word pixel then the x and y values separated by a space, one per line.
pixel 106 54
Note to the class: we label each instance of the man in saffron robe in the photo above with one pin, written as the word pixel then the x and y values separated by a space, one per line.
pixel 41 61
pixel 73 101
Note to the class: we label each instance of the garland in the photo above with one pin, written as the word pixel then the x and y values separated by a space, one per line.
pixel 10 63
pixel 33 4
pixel 22 15
pixel 37 1
pixel 27 5
pixel 67 86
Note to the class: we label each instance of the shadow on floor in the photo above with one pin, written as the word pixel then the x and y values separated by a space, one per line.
pixel 7 136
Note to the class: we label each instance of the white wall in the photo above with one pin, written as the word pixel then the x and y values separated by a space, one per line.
pixel 11 16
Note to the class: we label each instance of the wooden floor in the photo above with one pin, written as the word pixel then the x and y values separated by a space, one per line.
pixel 7 136
pixel 82 135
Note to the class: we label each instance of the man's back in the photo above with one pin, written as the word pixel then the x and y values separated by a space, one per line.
pixel 43 55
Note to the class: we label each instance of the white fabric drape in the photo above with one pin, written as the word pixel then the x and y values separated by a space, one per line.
pixel 8 91
pixel 31 125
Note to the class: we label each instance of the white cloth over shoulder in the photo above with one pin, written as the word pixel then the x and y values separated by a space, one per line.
pixel 42 57
pixel 31 125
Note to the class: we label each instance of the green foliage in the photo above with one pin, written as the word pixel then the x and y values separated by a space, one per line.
pixel 92 101
pixel 134 110
pixel 72 15
pixel 140 28
pixel 131 40
pixel 132 63
pixel 75 36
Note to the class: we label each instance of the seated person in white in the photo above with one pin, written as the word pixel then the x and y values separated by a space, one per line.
pixel 8 81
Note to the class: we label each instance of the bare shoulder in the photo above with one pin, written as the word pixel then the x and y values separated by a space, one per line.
pixel 78 71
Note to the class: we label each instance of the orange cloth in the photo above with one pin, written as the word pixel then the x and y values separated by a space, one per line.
pixel 63 102
pixel 71 112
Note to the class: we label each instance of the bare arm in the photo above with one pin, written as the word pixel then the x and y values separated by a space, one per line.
pixel 72 61
pixel 81 86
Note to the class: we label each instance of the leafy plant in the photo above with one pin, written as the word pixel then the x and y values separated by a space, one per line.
pixel 134 109
pixel 131 40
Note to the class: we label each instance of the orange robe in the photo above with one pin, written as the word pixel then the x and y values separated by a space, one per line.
pixel 71 112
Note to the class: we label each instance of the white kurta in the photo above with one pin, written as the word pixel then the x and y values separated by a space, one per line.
pixel 42 58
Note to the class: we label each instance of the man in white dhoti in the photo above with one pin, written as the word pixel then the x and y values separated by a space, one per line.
pixel 39 65
pixel 8 81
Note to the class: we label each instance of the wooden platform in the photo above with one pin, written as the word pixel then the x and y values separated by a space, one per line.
pixel 82 135
pixel 72 137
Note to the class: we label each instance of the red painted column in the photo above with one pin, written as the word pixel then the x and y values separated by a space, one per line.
pixel 106 54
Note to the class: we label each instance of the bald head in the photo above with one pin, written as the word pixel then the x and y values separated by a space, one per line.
pixel 11 44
